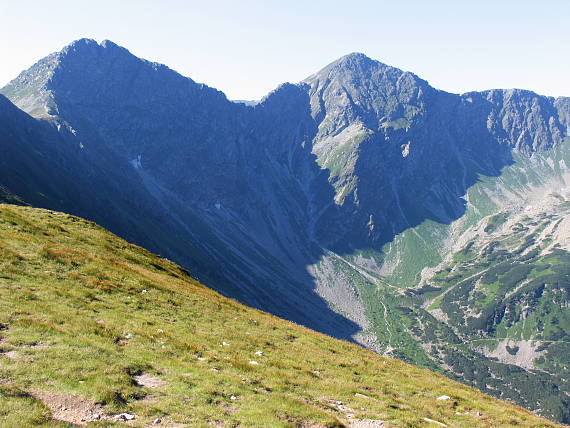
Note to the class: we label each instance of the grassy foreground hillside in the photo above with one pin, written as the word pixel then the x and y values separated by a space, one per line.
pixel 92 327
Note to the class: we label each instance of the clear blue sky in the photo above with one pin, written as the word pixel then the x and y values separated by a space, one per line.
pixel 246 48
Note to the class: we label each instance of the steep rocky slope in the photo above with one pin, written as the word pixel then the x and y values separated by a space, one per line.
pixel 338 202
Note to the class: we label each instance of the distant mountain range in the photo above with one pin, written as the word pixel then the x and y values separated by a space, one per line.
pixel 361 202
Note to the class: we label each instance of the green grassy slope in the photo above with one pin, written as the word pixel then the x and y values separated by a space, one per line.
pixel 91 325
pixel 483 299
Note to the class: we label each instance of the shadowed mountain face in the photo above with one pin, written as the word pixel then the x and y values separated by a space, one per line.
pixel 307 204
pixel 197 175
pixel 400 152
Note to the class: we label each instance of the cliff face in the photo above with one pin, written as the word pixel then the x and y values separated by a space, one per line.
pixel 327 203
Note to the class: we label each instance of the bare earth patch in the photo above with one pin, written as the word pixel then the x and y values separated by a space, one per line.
pixel 349 413
pixel 149 381
pixel 38 345
pixel 15 355
pixel 3 328
pixel 365 423
pixel 69 408
pixel 12 355
pixel 524 355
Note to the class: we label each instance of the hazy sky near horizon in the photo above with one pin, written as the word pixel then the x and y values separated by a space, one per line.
pixel 247 48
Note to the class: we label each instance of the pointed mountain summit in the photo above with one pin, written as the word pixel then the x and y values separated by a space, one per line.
pixel 354 61
pixel 86 73
pixel 355 88
pixel 358 69
pixel 31 90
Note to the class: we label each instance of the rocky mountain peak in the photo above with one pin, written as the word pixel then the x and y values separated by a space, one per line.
pixel 525 120
pixel 88 47
pixel 353 61
pixel 352 67
pixel 34 90
pixel 80 45
pixel 355 88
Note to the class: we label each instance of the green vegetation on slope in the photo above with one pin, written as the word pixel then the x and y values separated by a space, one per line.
pixel 485 297
pixel 90 323
pixel 505 295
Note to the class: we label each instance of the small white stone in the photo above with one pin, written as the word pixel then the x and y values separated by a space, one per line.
pixel 254 363
pixel 125 417
pixel 233 397
pixel 443 397
pixel 432 421
pixel 259 353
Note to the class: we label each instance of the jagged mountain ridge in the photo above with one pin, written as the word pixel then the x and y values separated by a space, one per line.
pixel 264 203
